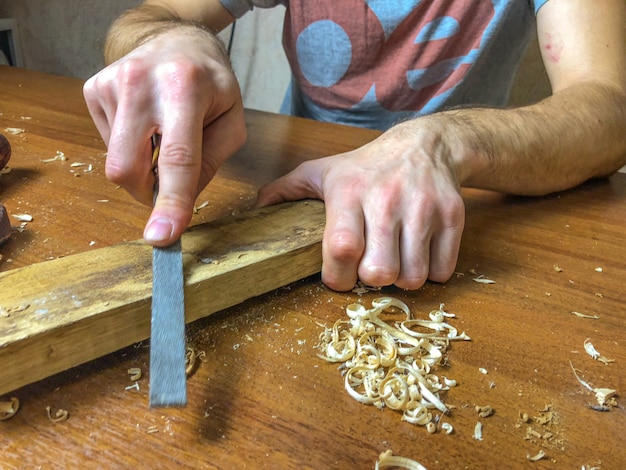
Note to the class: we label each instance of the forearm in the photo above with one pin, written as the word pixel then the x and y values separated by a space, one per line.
pixel 574 135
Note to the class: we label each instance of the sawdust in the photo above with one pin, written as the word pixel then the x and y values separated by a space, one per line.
pixel 542 428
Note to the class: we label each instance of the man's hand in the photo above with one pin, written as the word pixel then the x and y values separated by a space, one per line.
pixel 394 214
pixel 178 84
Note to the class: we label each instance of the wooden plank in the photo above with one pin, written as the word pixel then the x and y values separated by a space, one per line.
pixel 58 314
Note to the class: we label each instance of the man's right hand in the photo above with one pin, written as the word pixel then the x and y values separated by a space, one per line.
pixel 178 84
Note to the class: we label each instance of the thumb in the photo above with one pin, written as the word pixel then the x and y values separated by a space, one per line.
pixel 302 183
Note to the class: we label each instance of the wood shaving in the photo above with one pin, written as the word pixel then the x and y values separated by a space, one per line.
pixel 201 206
pixel 202 355
pixel 483 280
pixel 582 315
pixel 449 382
pixel 361 288
pixel 59 416
pixel 447 428
pixel 533 458
pixel 135 373
pixel 59 157
pixel 14 130
pixel 600 408
pixel 193 359
pixel 389 365
pixel 604 396
pixel 134 386
pixel 484 411
pixel 23 217
pixel 387 460
pixel 478 431
pixel 8 409
pixel 591 350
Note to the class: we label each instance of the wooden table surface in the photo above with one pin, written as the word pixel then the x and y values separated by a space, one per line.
pixel 263 399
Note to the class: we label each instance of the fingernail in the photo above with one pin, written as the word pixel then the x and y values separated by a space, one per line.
pixel 158 230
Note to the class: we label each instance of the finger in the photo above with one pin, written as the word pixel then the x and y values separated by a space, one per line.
pixel 343 243
pixel 380 264
pixel 445 244
pixel 429 244
pixel 126 119
pixel 414 254
pixel 302 183
pixel 129 153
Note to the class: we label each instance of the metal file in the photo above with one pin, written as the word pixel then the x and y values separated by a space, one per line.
pixel 168 385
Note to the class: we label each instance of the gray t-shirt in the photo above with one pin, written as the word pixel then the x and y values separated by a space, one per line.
pixel 372 63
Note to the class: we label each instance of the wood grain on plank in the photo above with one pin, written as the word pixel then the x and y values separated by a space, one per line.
pixel 61 313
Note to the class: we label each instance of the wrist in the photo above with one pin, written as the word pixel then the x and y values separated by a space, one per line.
pixel 451 140
pixel 471 152
pixel 144 24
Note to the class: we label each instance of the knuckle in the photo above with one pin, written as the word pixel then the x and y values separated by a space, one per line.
pixel 116 172
pixel 131 73
pixel 89 88
pixel 177 68
pixel 454 208
pixel 344 246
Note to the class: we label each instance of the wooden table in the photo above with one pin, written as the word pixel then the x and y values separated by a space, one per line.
pixel 264 399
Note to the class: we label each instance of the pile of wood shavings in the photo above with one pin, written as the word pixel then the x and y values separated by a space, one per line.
pixel 392 365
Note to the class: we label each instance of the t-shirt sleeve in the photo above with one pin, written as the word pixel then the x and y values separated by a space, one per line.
pixel 538 4
pixel 238 8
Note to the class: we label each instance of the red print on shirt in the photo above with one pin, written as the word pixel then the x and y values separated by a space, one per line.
pixel 384 62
